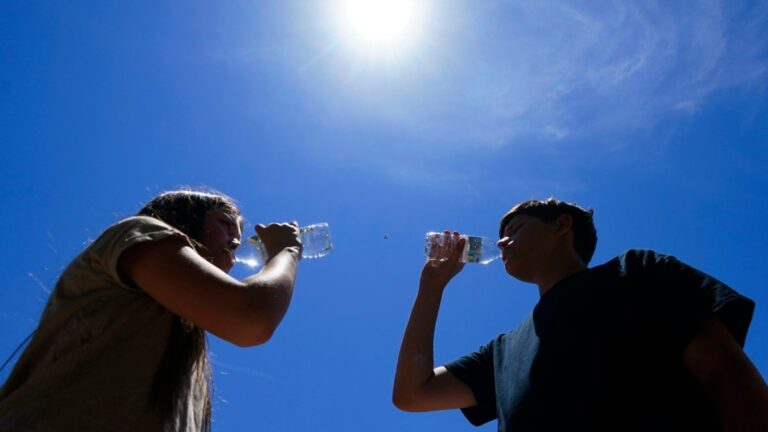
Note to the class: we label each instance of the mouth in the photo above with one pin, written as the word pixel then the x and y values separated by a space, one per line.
pixel 230 255
pixel 505 255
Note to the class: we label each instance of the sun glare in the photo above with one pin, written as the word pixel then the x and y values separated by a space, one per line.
pixel 390 24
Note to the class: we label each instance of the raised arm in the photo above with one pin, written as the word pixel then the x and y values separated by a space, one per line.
pixel 419 386
pixel 729 378
pixel 242 312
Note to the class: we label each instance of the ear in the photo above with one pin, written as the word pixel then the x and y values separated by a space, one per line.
pixel 563 224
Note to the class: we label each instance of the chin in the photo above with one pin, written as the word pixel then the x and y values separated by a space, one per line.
pixel 517 273
pixel 511 268
pixel 225 265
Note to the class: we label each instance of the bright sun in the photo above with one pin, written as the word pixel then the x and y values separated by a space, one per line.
pixel 390 24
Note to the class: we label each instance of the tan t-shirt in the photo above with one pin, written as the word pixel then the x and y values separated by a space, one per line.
pixel 93 358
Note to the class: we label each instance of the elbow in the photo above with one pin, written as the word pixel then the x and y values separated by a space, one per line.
pixel 406 406
pixel 398 402
pixel 257 333
pixel 257 323
pixel 255 329
pixel 403 402
pixel 252 338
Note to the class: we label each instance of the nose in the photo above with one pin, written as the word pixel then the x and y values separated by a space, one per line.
pixel 235 232
pixel 502 243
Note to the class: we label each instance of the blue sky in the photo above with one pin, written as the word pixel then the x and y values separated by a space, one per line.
pixel 654 114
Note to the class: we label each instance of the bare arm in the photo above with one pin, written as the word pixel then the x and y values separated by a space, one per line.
pixel 242 312
pixel 729 378
pixel 418 385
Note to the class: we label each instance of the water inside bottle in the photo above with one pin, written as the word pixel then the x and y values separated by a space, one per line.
pixel 249 254
pixel 477 249
pixel 315 240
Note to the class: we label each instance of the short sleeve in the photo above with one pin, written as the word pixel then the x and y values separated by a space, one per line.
pixel 679 299
pixel 699 297
pixel 476 371
pixel 105 251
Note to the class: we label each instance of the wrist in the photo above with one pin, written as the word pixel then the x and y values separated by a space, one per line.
pixel 432 286
pixel 294 251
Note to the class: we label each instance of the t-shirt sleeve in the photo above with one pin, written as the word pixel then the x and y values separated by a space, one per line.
pixel 686 298
pixel 475 370
pixel 105 251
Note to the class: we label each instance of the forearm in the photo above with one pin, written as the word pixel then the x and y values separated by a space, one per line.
pixel 415 364
pixel 270 291
pixel 279 271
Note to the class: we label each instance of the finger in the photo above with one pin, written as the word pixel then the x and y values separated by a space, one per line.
pixel 447 243
pixel 458 251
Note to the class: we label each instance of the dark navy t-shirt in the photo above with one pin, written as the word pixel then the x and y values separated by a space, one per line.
pixel 603 350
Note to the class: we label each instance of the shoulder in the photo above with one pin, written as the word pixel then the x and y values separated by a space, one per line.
pixel 642 256
pixel 107 249
pixel 132 230
pixel 137 224
pixel 517 340
pixel 502 342
pixel 633 261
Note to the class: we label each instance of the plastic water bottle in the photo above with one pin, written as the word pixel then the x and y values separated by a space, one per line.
pixel 477 249
pixel 315 239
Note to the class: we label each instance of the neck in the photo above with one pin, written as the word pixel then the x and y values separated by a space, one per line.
pixel 561 268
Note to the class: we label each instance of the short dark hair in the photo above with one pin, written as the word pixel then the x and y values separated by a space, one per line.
pixel 584 233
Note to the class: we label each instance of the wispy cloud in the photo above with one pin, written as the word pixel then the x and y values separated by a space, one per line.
pixel 227 369
pixel 510 69
pixel 565 69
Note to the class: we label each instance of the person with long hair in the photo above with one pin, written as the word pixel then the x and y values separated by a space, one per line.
pixel 121 342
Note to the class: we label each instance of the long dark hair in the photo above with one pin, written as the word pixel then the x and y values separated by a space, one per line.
pixel 185 359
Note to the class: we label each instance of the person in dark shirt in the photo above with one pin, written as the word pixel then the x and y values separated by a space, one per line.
pixel 643 342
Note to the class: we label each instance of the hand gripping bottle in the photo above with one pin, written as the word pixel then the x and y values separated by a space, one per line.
pixel 477 249
pixel 315 241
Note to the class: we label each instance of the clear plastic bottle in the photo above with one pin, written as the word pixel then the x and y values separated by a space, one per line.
pixel 477 249
pixel 315 239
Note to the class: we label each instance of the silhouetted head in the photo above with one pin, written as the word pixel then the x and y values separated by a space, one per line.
pixel 584 233
pixel 186 210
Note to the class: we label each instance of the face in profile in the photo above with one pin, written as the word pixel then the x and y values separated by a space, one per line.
pixel 526 245
pixel 221 235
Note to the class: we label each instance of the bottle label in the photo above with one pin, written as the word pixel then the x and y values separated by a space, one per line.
pixel 474 249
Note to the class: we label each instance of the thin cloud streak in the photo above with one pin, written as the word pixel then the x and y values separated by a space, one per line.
pixel 556 70
pixel 526 75
pixel 226 369
pixel 621 67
